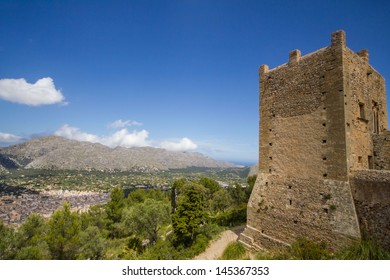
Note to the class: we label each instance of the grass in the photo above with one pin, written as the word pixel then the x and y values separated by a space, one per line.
pixel 303 249
pixel 235 251
pixel 364 250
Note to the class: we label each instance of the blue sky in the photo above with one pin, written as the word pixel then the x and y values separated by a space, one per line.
pixel 181 75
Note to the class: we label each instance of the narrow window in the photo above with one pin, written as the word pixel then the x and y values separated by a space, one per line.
pixel 359 159
pixel 375 121
pixel 370 162
pixel 362 111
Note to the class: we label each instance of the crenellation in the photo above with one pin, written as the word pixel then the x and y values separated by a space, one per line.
pixel 323 119
pixel 339 39
pixel 363 54
pixel 295 56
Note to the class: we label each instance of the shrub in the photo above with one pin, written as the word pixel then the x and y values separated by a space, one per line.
pixel 232 217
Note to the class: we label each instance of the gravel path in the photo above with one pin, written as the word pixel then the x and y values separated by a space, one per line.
pixel 216 248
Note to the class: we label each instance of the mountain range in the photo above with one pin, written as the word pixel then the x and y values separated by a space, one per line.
pixel 54 152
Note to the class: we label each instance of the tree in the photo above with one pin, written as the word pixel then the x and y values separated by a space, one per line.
pixel 175 190
pixel 221 201
pixel 146 219
pixel 31 239
pixel 63 234
pixel 210 184
pixel 7 242
pixel 115 205
pixel 190 213
pixel 114 209
pixel 93 244
pixel 251 180
pixel 136 196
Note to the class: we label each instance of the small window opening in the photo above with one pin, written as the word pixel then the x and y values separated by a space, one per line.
pixel 290 202
pixel 326 210
pixel 325 175
pixel 359 159
pixel 375 120
pixel 324 124
pixel 362 111
pixel 324 158
pixel 324 141
pixel 370 162
pixel 270 144
pixel 270 158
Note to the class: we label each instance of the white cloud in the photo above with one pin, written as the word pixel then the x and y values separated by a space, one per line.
pixel 121 123
pixel 120 138
pixel 9 138
pixel 74 133
pixel 184 144
pixel 126 139
pixel 43 92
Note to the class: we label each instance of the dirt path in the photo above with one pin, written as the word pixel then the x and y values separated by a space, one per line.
pixel 216 248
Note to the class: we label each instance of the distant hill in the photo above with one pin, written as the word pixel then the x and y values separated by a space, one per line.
pixel 56 152
pixel 254 169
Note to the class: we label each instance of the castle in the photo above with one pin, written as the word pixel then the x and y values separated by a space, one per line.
pixel 324 159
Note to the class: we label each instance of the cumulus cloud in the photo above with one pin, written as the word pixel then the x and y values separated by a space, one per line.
pixel 75 133
pixel 121 137
pixel 43 92
pixel 121 123
pixel 124 138
pixel 9 138
pixel 185 144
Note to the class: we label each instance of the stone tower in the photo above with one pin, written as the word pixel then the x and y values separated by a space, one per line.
pixel 324 148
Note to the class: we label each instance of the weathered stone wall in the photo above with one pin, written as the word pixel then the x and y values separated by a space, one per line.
pixel 300 102
pixel 284 209
pixel 382 151
pixel 366 112
pixel 371 192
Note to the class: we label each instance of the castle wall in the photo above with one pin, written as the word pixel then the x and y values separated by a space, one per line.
pixel 371 192
pixel 382 151
pixel 300 103
pixel 284 209
pixel 366 112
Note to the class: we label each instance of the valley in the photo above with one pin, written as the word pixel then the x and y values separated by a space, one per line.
pixel 42 191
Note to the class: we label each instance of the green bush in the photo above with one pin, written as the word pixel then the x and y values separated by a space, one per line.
pixel 231 217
